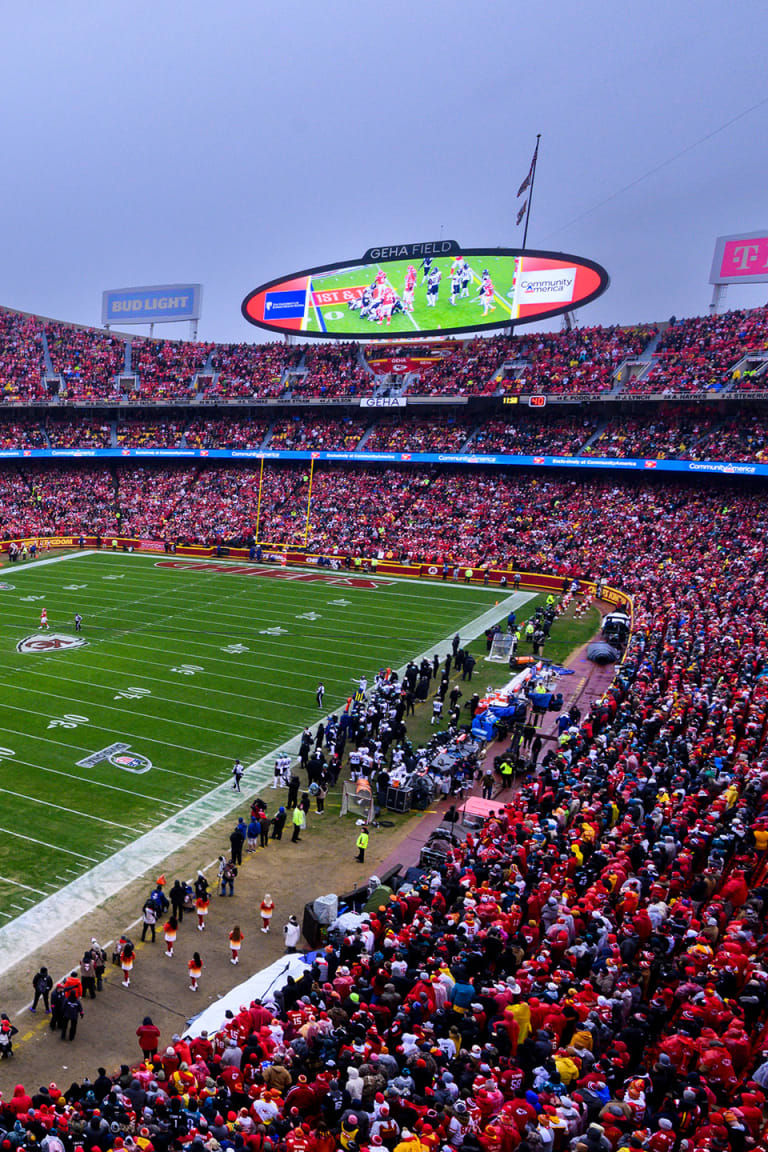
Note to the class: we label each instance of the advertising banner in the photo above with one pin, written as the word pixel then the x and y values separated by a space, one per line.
pixel 157 304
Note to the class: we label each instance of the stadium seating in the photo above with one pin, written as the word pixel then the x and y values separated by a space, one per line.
pixel 246 370
pixel 322 433
pixel 700 354
pixel 394 433
pixel 592 960
pixel 22 363
pixel 88 361
pixel 583 360
pixel 166 368
pixel 333 370
pixel 525 435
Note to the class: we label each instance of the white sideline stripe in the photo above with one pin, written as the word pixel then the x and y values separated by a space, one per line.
pixel 40 924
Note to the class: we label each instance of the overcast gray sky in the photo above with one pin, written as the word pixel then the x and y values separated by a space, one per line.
pixel 229 143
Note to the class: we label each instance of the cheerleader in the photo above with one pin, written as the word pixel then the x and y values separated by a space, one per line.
pixel 195 968
pixel 169 934
pixel 267 911
pixel 235 943
pixel 201 907
pixel 126 963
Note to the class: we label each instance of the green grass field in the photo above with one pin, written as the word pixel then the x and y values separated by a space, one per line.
pixel 188 669
pixel 338 317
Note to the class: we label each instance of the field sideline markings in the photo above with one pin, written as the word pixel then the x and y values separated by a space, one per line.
pixel 18 884
pixel 270 585
pixel 48 844
pixel 72 811
pixel 119 732
pixel 135 713
pixel 37 926
pixel 336 589
pixel 86 779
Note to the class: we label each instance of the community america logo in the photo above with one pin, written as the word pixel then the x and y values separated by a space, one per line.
pixel 51 642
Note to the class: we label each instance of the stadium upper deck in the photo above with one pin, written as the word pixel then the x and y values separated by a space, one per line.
pixel 44 361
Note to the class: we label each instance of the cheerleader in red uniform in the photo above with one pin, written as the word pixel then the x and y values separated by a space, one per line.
pixel 235 944
pixel 201 907
pixel 169 934
pixel 126 962
pixel 195 969
pixel 267 911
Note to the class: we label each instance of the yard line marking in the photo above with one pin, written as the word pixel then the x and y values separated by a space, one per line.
pixel 33 928
pixel 118 732
pixel 18 884
pixel 72 811
pixel 46 844
pixel 70 776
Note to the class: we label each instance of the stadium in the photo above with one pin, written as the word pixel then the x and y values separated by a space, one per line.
pixel 383 740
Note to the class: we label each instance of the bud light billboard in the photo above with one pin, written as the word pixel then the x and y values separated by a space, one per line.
pixel 430 289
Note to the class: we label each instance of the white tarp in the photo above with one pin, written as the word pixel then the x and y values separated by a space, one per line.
pixel 262 984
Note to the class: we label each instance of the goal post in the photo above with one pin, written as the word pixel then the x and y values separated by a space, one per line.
pixel 501 648
pixel 358 798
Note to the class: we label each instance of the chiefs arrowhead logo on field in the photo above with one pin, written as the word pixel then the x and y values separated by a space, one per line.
pixel 651 463
pixel 51 642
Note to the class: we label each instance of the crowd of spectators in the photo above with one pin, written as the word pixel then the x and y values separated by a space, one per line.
pixel 469 369
pixel 526 435
pixel 223 432
pixel 693 355
pixel 333 370
pixel 21 433
pixel 89 361
pixel 701 354
pixel 581 360
pixel 680 432
pixel 74 432
pixel 393 432
pixel 671 435
pixel 300 433
pixel 140 432
pixel 250 369
pixel 56 500
pixel 22 358
pixel 167 368
pixel 588 972
pixel 743 437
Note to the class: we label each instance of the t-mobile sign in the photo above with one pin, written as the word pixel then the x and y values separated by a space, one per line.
pixel 741 259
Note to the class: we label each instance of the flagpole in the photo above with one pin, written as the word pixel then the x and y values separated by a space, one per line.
pixel 530 190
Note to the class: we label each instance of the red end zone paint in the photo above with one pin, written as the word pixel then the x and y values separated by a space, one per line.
pixel 334 578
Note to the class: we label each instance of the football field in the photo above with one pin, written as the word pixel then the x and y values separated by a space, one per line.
pixel 180 667
pixel 329 311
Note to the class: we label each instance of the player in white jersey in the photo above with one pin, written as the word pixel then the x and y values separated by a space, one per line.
pixel 466 279
pixel 433 287
pixel 455 283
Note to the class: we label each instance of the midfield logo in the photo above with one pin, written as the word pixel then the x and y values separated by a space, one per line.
pixel 121 756
pixel 51 642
